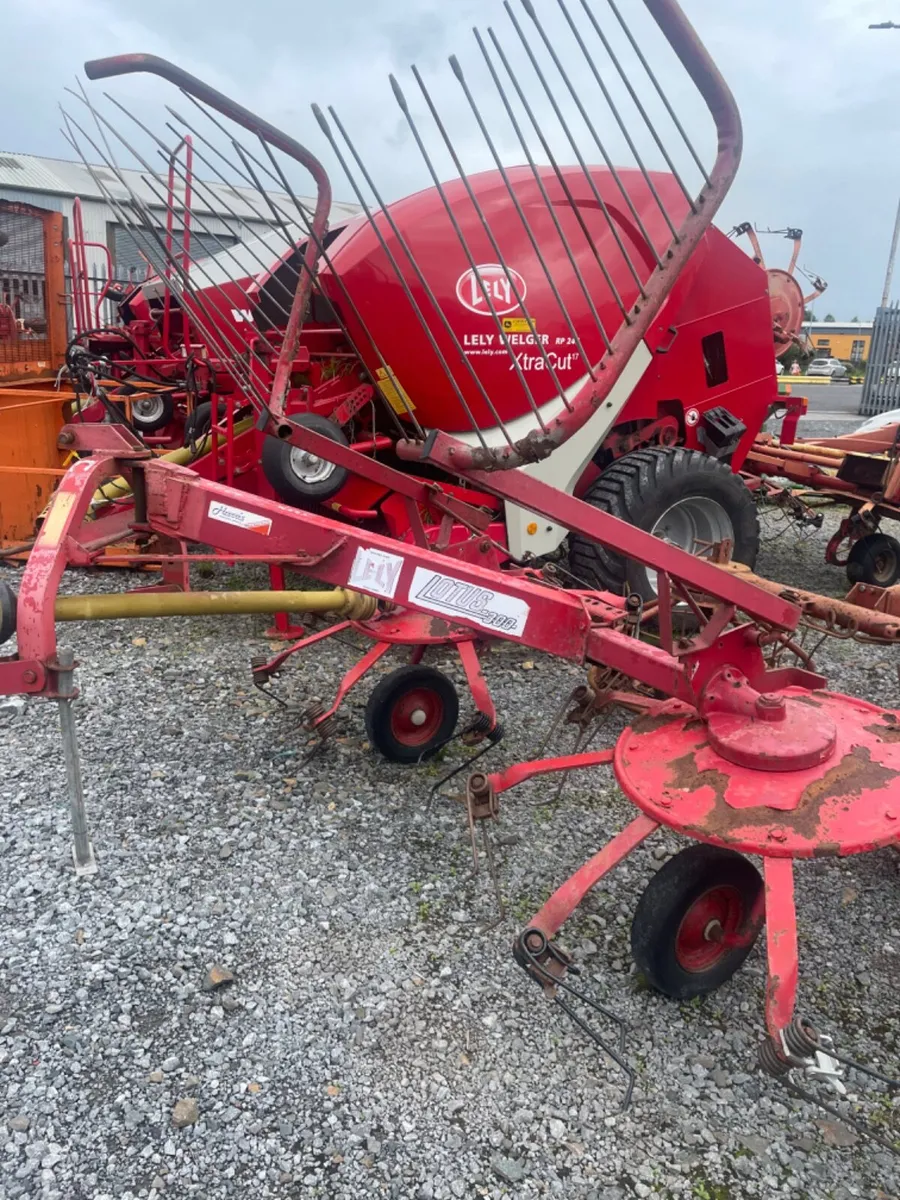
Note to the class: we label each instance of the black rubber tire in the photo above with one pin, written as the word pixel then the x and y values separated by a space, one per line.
pixel 666 900
pixel 276 465
pixel 381 726
pixel 8 612
pixel 153 424
pixel 639 488
pixel 874 559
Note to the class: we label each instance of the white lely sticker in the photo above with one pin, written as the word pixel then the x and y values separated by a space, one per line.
pixel 456 598
pixel 376 571
pixel 239 517
pixel 500 283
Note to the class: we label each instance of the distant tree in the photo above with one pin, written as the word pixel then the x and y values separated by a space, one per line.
pixel 830 317
pixel 856 320
pixel 808 314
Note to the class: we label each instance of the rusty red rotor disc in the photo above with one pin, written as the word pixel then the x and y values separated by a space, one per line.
pixel 849 803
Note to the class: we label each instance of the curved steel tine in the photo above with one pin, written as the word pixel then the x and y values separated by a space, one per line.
pixel 570 137
pixel 514 287
pixel 419 275
pixel 573 261
pixel 551 50
pixel 620 121
pixel 323 253
pixel 563 182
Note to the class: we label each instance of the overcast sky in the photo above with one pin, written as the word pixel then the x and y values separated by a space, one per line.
pixel 819 95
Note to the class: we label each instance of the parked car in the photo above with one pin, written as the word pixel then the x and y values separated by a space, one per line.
pixel 828 366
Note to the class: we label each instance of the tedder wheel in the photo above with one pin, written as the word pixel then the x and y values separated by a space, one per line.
pixel 151 412
pixel 687 918
pixel 411 712
pixel 683 497
pixel 874 559
pixel 301 478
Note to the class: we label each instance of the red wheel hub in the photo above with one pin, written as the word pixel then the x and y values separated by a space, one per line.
pixel 417 716
pixel 708 928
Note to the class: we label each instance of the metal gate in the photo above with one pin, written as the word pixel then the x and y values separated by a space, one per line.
pixel 881 390
pixel 32 291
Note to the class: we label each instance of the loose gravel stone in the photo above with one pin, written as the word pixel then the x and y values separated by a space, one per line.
pixel 186 1112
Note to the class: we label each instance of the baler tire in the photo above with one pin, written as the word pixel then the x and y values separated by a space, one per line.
pixel 670 934
pixel 874 559
pixel 165 410
pixel 8 612
pixel 640 488
pixel 393 729
pixel 284 478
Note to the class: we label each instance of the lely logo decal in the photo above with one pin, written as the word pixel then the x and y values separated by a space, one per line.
pixel 500 283
pixel 456 598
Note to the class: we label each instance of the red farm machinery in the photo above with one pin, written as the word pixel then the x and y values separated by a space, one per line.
pixel 425 403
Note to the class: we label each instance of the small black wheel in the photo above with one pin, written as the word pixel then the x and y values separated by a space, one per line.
pixel 150 412
pixel 683 497
pixel 8 608
pixel 411 712
pixel 689 933
pixel 301 478
pixel 874 559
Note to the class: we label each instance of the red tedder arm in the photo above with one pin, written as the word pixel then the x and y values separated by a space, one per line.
pixel 130 64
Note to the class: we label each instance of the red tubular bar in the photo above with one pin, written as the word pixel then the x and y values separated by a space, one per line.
pixel 550 919
pixel 781 944
pixel 129 64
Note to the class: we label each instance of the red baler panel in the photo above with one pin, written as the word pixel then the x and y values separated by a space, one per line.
pixel 422 220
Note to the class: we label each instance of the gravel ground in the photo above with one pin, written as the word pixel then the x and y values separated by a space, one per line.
pixel 377 1038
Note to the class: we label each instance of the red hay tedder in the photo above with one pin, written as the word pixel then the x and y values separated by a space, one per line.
pixel 424 404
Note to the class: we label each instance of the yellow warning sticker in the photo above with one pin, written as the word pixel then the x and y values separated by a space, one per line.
pixel 516 325
pixel 393 391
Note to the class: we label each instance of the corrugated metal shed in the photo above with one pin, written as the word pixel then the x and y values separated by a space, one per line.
pixel 54 176
pixel 51 183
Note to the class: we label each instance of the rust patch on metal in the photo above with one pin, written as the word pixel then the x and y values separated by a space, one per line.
pixel 438 627
pixel 650 722
pixel 827 850
pixel 853 775
pixel 684 775
pixel 810 700
pixel 889 731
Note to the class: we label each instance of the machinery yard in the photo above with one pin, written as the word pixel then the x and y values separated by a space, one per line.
pixel 439 754
pixel 377 1038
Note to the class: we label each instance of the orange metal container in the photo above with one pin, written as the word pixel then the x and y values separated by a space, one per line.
pixel 31 463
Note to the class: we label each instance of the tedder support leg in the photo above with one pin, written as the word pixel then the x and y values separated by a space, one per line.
pixel 781 945
pixel 82 849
